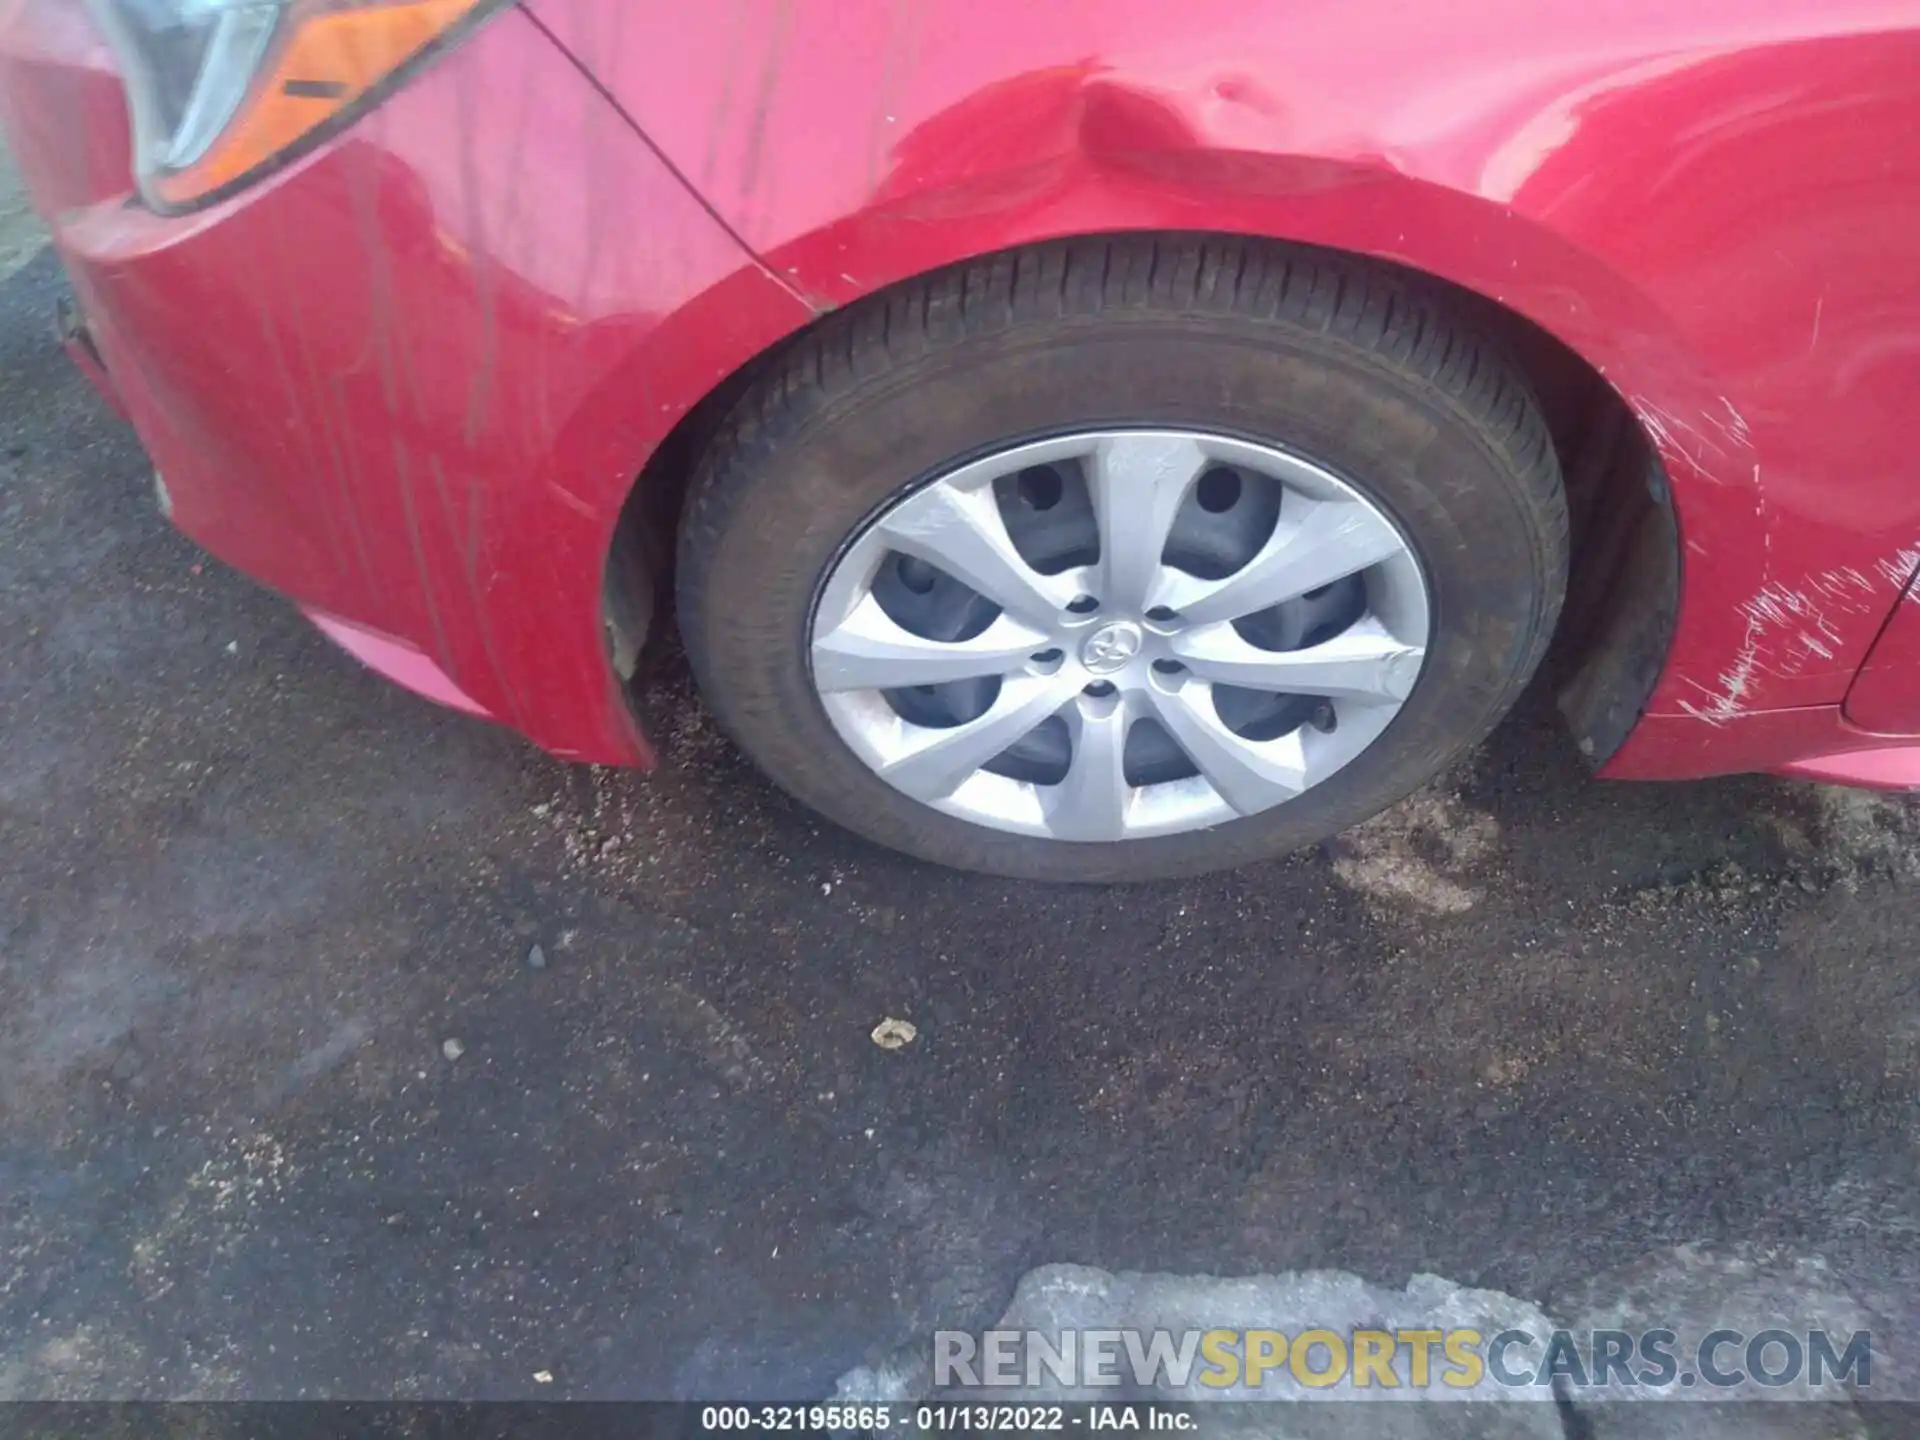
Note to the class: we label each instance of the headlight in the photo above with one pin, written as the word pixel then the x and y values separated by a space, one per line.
pixel 223 89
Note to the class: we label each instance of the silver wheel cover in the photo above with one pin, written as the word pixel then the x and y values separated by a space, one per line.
pixel 1142 688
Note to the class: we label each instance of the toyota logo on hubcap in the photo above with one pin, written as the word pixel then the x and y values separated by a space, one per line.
pixel 1110 647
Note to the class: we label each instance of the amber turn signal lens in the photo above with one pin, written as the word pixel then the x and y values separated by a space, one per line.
pixel 322 67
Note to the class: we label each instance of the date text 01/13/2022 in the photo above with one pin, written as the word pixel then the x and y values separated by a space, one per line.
pixel 958 1418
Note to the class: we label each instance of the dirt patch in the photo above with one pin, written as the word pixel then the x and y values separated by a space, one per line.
pixel 1422 855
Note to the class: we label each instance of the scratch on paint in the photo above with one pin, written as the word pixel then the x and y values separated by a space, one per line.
pixel 1668 429
pixel 1734 682
pixel 1798 614
pixel 572 501
pixel 1898 568
pixel 1734 427
pixel 1818 305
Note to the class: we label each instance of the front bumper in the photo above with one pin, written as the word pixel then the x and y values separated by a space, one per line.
pixel 408 380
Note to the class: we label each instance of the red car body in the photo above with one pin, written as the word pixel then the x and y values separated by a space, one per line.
pixel 410 378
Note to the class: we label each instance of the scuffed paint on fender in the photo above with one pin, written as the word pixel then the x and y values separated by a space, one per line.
pixel 1705 201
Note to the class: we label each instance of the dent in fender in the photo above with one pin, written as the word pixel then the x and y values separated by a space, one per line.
pixel 1705 201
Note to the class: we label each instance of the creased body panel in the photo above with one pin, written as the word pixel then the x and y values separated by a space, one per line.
pixel 410 380
pixel 1713 202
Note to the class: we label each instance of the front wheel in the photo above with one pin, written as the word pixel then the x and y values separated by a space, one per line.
pixel 1123 559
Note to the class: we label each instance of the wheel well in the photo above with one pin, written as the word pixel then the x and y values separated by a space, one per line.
pixel 1622 594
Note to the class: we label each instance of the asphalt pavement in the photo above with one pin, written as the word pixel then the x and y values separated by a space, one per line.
pixel 350 1047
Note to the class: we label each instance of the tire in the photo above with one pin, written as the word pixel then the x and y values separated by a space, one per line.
pixel 1357 369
